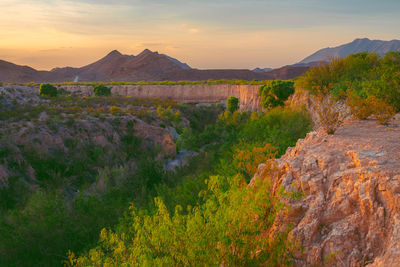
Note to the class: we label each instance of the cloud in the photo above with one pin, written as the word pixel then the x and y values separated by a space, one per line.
pixel 193 30
pixel 204 33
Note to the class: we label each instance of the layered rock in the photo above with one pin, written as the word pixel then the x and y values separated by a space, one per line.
pixel 202 93
pixel 350 212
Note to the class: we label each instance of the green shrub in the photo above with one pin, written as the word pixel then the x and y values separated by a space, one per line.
pixel 47 89
pixel 280 127
pixel 101 90
pixel 232 104
pixel 115 109
pixel 275 93
pixel 169 116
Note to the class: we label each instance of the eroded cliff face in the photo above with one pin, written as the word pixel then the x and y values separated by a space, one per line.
pixel 247 94
pixel 350 214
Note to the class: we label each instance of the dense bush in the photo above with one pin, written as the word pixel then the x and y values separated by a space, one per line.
pixel 275 93
pixel 47 89
pixel 101 90
pixel 370 84
pixel 232 104
pixel 168 115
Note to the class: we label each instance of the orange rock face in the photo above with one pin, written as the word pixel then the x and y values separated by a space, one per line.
pixel 350 214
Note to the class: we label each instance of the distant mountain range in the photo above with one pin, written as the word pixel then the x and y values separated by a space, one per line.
pixel 357 46
pixel 147 66
pixel 152 66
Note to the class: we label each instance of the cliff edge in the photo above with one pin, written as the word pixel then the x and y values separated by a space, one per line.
pixel 350 212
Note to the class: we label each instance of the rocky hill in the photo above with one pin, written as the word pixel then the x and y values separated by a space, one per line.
pixel 349 215
pixel 357 46
pixel 10 72
pixel 118 67
pixel 147 66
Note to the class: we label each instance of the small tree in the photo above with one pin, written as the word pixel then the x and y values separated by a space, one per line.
pixel 275 93
pixel 328 116
pixel 232 104
pixel 101 90
pixel 47 89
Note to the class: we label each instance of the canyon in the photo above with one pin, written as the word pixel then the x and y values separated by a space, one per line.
pixel 348 214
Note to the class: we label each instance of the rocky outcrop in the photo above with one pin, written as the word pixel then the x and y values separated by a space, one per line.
pixel 349 215
pixel 158 135
pixel 203 93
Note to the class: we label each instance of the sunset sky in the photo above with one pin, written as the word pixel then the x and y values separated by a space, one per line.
pixel 203 33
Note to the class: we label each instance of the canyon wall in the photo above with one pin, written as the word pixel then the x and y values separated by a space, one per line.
pixel 203 93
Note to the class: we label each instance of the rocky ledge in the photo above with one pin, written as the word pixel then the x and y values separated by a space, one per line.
pixel 350 212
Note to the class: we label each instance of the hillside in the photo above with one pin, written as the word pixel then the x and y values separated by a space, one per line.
pixel 117 67
pixel 11 72
pixel 356 46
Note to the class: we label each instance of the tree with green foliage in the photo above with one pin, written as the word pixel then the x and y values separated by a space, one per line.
pixel 232 104
pixel 101 90
pixel 228 229
pixel 47 89
pixel 275 93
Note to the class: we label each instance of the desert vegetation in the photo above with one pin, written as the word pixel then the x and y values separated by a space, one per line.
pixel 369 84
pixel 47 89
pixel 232 104
pixel 101 90
pixel 80 178
pixel 275 93
pixel 198 220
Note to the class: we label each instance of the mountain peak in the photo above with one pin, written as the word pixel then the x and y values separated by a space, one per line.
pixel 114 53
pixel 358 45
pixel 362 39
pixel 359 41
pixel 147 52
